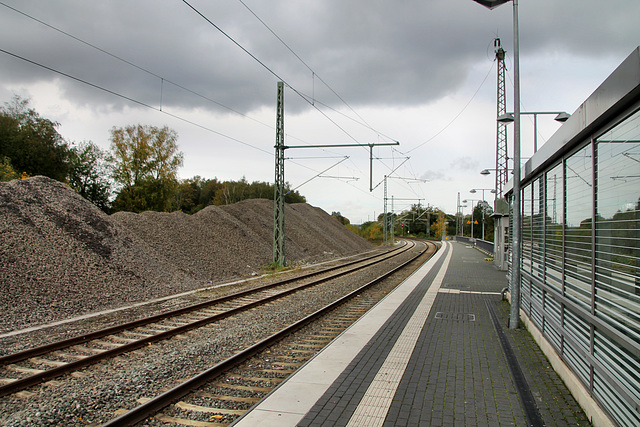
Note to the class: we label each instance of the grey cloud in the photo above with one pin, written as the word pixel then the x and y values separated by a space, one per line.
pixel 370 52
pixel 465 164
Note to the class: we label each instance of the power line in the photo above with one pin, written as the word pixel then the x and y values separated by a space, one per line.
pixel 266 67
pixel 163 79
pixel 119 58
pixel 456 116
pixel 175 116
pixel 134 101
pixel 314 73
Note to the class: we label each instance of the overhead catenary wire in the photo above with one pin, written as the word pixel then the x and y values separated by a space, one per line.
pixel 134 101
pixel 163 101
pixel 143 104
pixel 456 116
pixel 314 74
pixel 266 67
pixel 151 73
pixel 132 64
pixel 162 79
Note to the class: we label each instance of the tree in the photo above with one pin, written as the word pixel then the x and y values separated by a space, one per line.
pixel 343 220
pixel 31 143
pixel 195 193
pixel 7 173
pixel 146 161
pixel 89 171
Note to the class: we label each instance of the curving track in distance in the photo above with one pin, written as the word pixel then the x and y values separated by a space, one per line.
pixel 27 368
pixel 222 393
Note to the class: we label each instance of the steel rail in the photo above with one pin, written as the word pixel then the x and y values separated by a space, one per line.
pixel 22 383
pixel 157 403
pixel 37 351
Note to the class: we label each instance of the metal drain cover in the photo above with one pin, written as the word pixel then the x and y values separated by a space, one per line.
pixel 460 317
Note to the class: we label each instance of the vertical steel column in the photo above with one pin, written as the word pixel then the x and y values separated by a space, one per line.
pixel 393 231
pixel 370 167
pixel 516 246
pixel 385 222
pixel 278 199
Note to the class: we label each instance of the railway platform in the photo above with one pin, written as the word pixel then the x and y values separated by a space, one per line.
pixel 435 351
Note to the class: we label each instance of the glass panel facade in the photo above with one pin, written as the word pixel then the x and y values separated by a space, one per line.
pixel 552 321
pixel 578 226
pixel 537 231
pixel 580 282
pixel 525 289
pixel 618 227
pixel 554 228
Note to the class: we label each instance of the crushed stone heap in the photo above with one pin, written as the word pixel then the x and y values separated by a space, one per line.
pixel 60 256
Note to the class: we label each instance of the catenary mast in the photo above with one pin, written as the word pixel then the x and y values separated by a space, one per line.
pixel 502 168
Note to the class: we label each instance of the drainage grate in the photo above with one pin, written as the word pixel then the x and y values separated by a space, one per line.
pixel 460 317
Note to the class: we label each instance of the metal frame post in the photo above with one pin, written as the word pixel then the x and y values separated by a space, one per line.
pixel 514 317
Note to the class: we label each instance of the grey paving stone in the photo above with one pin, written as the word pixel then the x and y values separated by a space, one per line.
pixel 458 373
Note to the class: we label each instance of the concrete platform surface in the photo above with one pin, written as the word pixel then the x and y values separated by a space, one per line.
pixel 435 351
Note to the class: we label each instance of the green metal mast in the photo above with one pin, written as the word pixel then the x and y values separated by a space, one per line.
pixel 278 199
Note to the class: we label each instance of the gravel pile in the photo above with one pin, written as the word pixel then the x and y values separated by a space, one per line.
pixel 60 256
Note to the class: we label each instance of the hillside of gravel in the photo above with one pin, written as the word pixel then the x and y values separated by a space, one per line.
pixel 60 256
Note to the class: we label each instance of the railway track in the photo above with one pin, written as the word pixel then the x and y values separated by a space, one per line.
pixel 222 393
pixel 25 369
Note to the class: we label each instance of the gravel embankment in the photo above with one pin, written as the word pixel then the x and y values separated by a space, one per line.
pixel 60 256
pixel 99 392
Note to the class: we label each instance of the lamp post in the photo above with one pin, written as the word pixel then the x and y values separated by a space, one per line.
pixel 474 190
pixel 461 206
pixel 561 116
pixel 472 210
pixel 514 278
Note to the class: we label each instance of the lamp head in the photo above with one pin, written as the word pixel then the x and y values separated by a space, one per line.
pixel 472 191
pixel 506 118
pixel 485 172
pixel 491 4
pixel 562 117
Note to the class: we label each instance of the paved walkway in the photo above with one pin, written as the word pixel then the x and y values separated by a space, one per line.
pixel 435 352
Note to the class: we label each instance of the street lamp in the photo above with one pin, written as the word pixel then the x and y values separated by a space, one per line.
pixel 561 116
pixel 471 200
pixel 462 217
pixel 488 171
pixel 474 190
pixel 514 278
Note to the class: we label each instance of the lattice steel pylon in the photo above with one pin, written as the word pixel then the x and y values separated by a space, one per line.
pixel 278 199
pixel 502 167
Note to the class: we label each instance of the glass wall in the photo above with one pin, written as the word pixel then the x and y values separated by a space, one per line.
pixel 581 264
pixel 617 232
pixel 554 225
pixel 578 226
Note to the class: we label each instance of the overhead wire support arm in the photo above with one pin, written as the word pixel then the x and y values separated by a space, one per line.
pixel 279 194
pixel 389 176
pixel 318 175
pixel 370 145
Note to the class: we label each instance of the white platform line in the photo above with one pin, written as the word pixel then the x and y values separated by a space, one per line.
pixel 458 291
pixel 376 401
pixel 288 403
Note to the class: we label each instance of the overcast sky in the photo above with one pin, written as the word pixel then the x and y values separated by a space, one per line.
pixel 358 72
